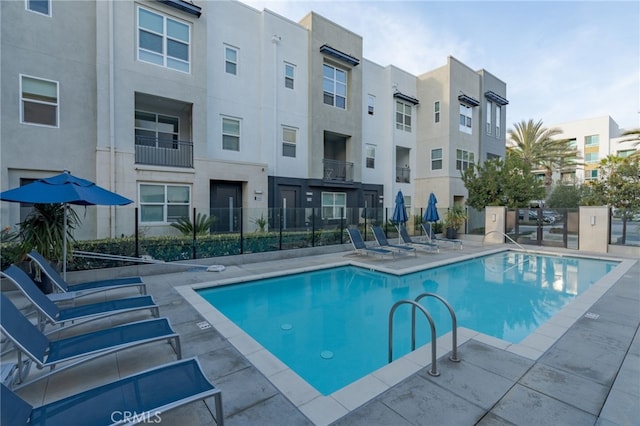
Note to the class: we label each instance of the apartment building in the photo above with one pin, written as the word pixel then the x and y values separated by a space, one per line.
pixel 216 106
pixel 595 139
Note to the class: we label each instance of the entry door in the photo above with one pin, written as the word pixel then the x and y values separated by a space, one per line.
pixel 289 207
pixel 225 203
pixel 371 204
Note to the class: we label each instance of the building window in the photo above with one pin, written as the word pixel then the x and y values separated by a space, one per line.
pixel 163 203
pixel 163 41
pixel 334 86
pixel 498 119
pixel 436 111
pixel 289 136
pixel 289 75
pixel 591 157
pixel 592 140
pixel 231 60
pixel 39 100
pixel 334 205
pixel 488 112
pixel 157 130
pixel 491 156
pixel 39 6
pixel 466 116
pixel 625 152
pixel 371 103
pixel 403 116
pixel 230 134
pixel 591 174
pixel 370 158
pixel 463 159
pixel 436 159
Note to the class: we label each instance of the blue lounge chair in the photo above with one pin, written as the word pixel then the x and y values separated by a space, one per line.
pixel 431 236
pixel 378 233
pixel 49 312
pixel 427 246
pixel 77 290
pixel 142 397
pixel 44 352
pixel 360 247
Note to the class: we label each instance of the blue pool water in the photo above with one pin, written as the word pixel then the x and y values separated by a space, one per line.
pixel 331 325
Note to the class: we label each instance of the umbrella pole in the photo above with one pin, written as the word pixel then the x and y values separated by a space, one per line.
pixel 64 244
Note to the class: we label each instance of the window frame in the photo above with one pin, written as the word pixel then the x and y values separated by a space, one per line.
pixel 402 117
pixel 334 83
pixel 159 142
pixel 466 115
pixel 436 112
pixel 335 212
pixel 435 159
pixel 166 39
pixel 464 159
pixel 235 62
pixel 288 145
pixel 290 78
pixel 370 154
pixel 165 203
pixel 49 7
pixel 371 104
pixel 228 134
pixel 588 157
pixel 498 120
pixel 55 104
pixel 488 114
pixel 592 140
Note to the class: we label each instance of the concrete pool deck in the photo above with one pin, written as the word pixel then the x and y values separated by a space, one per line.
pixel 582 367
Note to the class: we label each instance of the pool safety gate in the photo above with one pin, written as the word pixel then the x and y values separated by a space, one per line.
pixel 414 306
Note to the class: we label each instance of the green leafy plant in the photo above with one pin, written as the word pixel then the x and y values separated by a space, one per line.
pixel 43 231
pixel 202 225
pixel 455 218
pixel 260 222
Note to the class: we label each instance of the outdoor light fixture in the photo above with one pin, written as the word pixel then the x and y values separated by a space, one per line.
pixel 593 220
pixel 493 217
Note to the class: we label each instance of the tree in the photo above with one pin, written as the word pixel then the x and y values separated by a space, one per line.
pixel 536 146
pixel 499 182
pixel 565 196
pixel 618 186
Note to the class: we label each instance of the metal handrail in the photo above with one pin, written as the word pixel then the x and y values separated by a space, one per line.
pixel 506 236
pixel 454 323
pixel 433 371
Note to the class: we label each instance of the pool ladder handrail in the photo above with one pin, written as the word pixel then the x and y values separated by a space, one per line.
pixel 416 305
pixel 454 323
pixel 434 370
pixel 506 236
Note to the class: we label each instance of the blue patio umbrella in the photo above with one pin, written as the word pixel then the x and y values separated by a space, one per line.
pixel 431 214
pixel 399 212
pixel 66 189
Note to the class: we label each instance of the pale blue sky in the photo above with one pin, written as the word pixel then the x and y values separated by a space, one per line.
pixel 562 60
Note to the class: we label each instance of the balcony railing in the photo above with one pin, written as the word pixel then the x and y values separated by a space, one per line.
pixel 164 152
pixel 403 174
pixel 338 171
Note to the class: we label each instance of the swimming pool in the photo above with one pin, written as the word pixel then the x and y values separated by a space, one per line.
pixel 330 326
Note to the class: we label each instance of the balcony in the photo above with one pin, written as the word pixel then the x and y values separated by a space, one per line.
pixel 337 171
pixel 403 174
pixel 164 152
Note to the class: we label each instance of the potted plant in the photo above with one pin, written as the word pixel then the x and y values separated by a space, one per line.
pixel 454 220
pixel 43 231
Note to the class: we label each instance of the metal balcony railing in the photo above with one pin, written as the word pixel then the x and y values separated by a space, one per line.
pixel 403 174
pixel 336 170
pixel 164 152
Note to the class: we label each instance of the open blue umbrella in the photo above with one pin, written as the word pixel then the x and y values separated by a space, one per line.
pixel 67 189
pixel 399 212
pixel 431 214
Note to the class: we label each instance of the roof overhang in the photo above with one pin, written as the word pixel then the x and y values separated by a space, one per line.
pixel 341 56
pixel 492 96
pixel 407 98
pixel 468 100
pixel 184 6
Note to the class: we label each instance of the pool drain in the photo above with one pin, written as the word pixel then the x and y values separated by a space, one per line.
pixel 286 327
pixel 326 354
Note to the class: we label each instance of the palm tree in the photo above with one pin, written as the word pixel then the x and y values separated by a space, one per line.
pixel 536 145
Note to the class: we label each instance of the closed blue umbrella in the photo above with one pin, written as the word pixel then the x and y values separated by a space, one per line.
pixel 399 212
pixel 431 215
pixel 67 189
